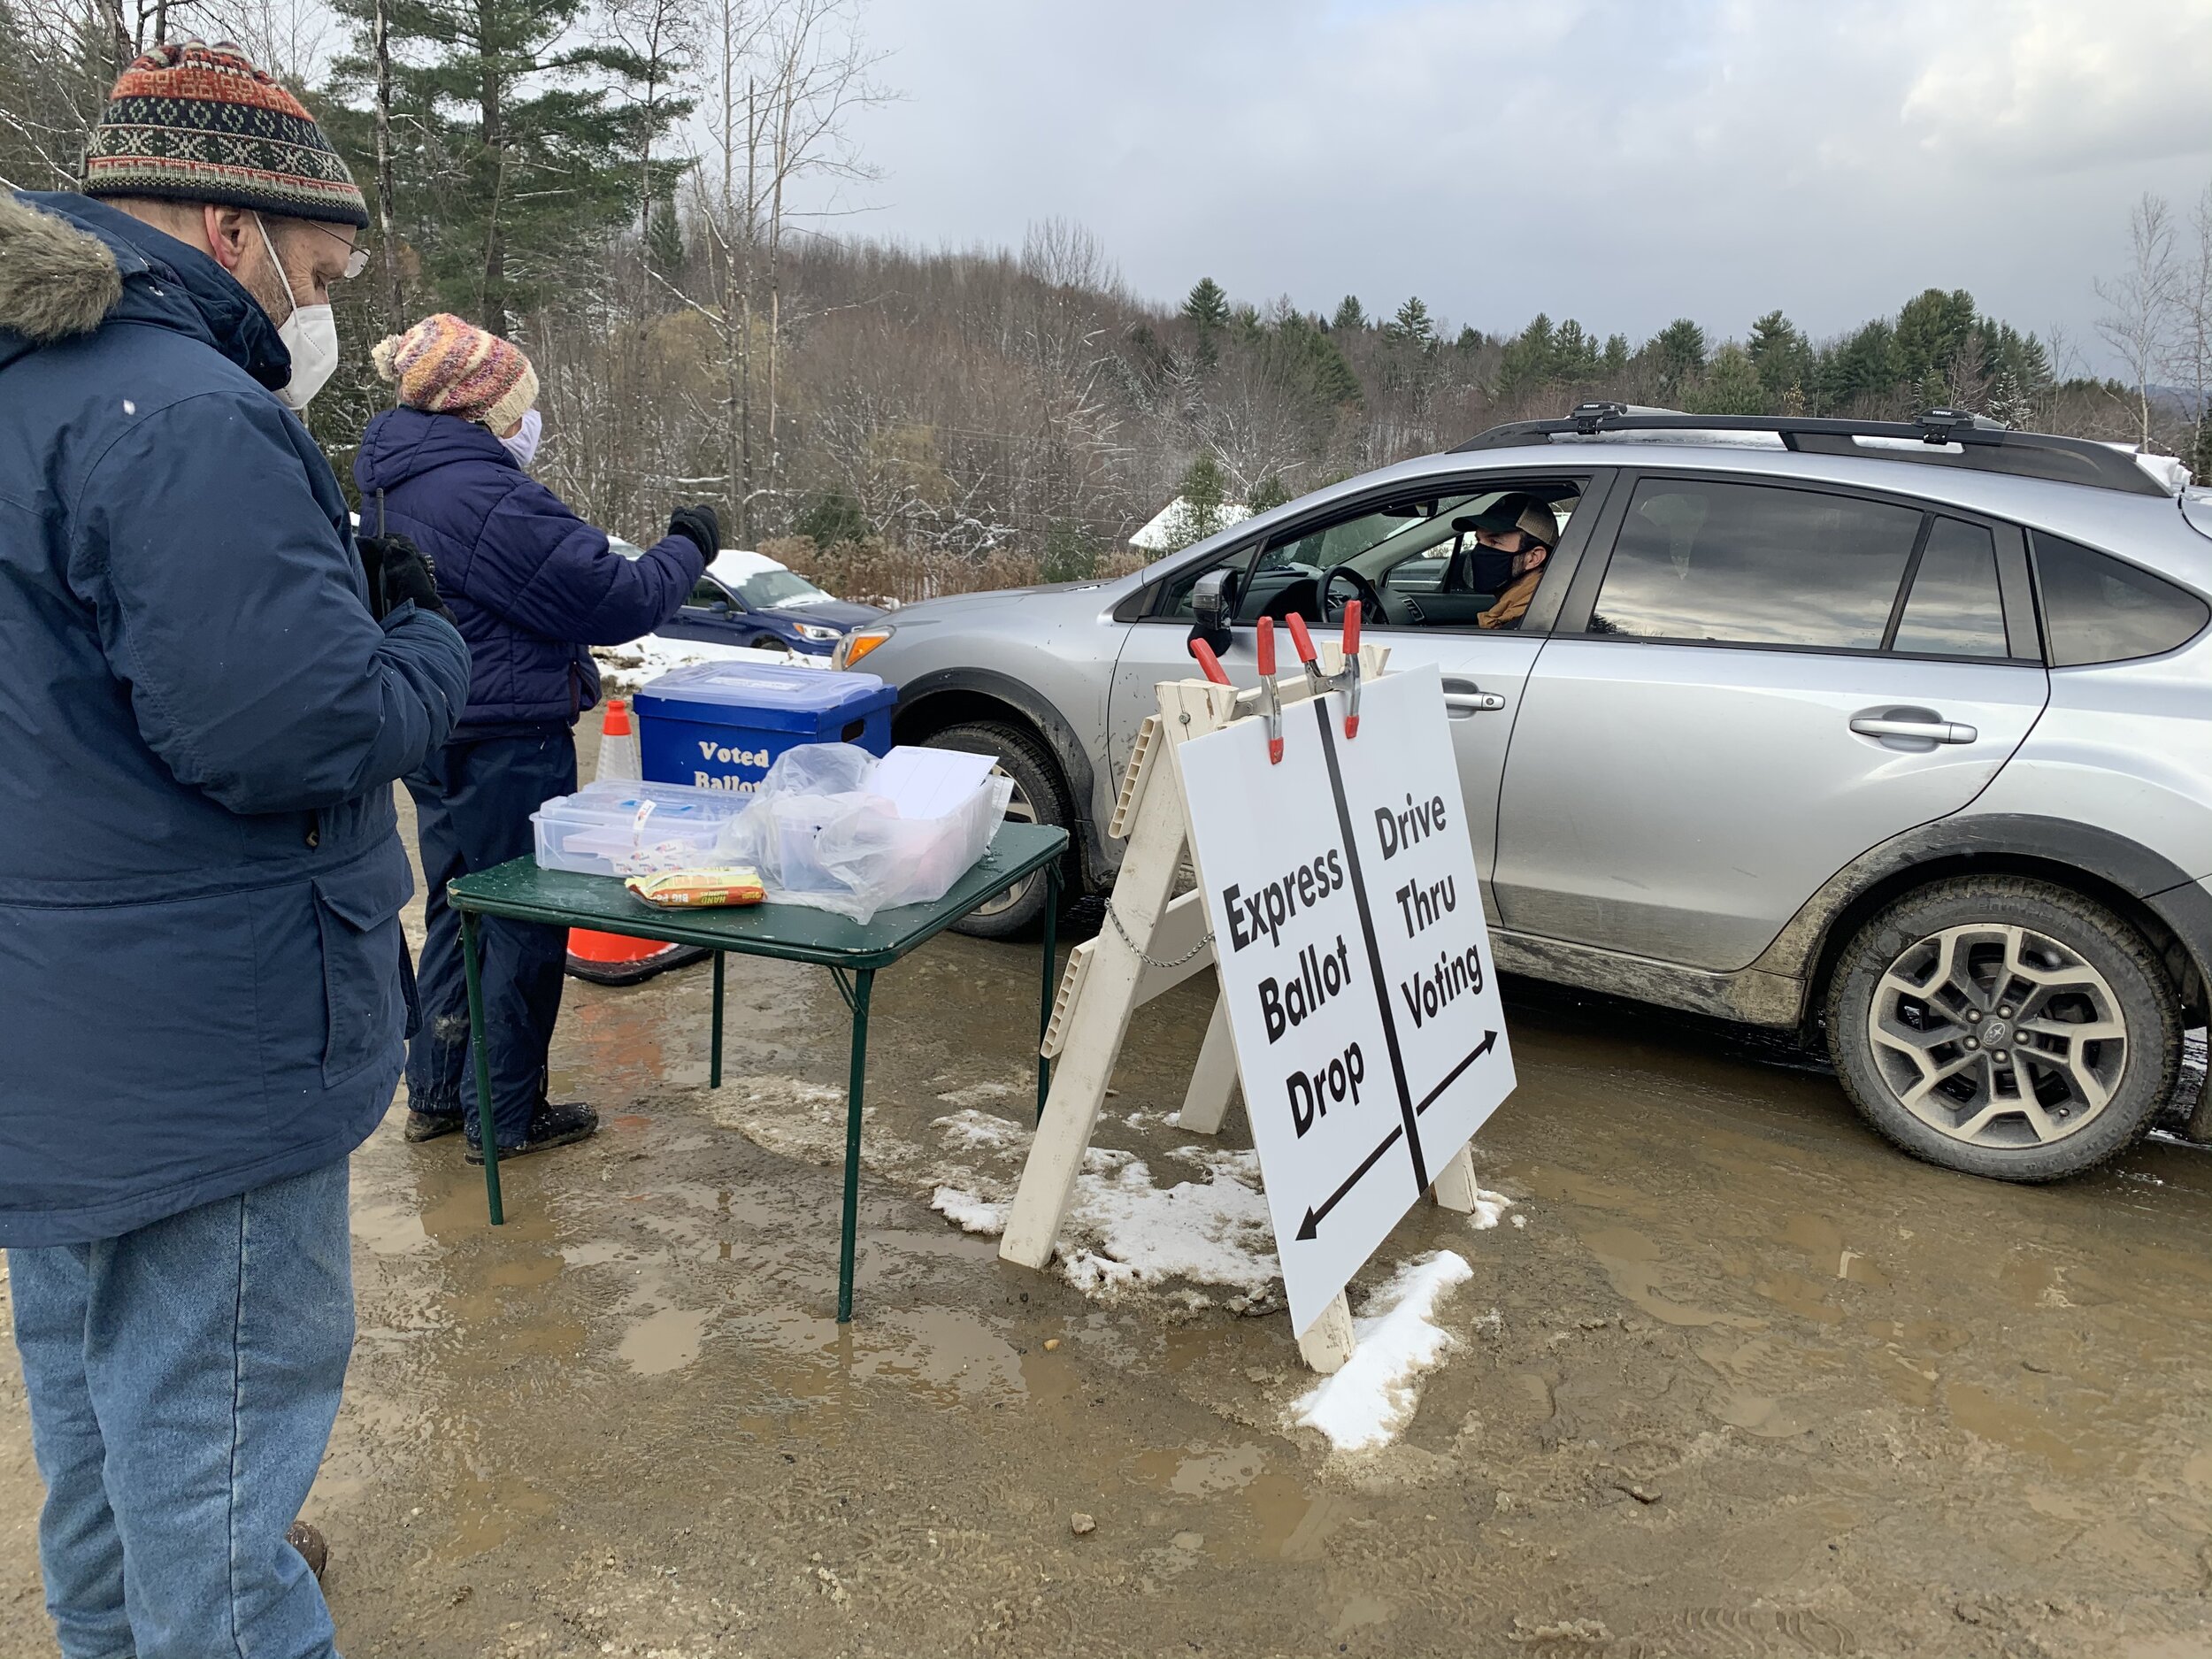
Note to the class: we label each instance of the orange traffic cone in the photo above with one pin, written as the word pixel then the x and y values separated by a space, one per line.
pixel 610 959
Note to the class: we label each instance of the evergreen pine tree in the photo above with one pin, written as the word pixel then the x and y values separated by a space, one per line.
pixel 517 160
pixel 1412 325
pixel 1780 352
pixel 1731 384
pixel 1527 361
pixel 1206 304
pixel 1677 351
pixel 1931 328
pixel 1349 315
pixel 1203 491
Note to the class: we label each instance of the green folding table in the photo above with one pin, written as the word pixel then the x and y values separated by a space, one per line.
pixel 520 891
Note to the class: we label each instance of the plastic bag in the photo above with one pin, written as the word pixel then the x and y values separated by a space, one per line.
pixel 819 838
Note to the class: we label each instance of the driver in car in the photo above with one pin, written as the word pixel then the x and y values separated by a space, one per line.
pixel 1516 533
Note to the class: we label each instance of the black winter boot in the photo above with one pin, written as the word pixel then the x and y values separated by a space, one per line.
pixel 550 1127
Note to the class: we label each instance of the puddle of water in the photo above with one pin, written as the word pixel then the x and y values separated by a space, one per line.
pixel 1196 1473
pixel 665 1340
pixel 1634 1264
pixel 390 1229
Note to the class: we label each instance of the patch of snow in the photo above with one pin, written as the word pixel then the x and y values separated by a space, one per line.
pixel 971 1130
pixel 1128 1231
pixel 968 1212
pixel 1397 1341
pixel 1520 1221
pixel 1489 1210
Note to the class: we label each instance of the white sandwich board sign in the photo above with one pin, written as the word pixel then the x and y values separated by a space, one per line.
pixel 1355 964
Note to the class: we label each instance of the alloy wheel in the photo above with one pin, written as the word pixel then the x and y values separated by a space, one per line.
pixel 1998 1035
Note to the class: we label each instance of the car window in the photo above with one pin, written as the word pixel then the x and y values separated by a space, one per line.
pixel 708 592
pixel 1414 551
pixel 1954 608
pixel 769 588
pixel 2097 610
pixel 1755 564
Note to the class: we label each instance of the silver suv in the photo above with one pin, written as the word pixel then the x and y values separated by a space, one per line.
pixel 1896 735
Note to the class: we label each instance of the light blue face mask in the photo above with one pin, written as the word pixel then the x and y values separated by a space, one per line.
pixel 524 445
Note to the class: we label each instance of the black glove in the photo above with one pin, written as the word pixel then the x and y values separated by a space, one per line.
pixel 400 571
pixel 700 525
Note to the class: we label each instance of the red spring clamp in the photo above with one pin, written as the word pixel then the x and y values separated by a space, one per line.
pixel 1271 700
pixel 1303 643
pixel 1208 664
pixel 1351 671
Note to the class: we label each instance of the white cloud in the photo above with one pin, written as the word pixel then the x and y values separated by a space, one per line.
pixel 1625 164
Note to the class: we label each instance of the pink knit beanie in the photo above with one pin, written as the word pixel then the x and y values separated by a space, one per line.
pixel 452 367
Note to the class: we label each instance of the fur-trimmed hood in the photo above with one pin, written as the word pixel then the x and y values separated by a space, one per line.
pixel 69 265
pixel 55 279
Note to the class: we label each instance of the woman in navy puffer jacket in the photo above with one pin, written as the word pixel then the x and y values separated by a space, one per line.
pixel 533 587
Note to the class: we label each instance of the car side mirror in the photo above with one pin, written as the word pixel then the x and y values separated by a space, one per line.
pixel 1213 605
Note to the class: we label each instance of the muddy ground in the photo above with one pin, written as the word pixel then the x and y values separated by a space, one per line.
pixel 1755 1384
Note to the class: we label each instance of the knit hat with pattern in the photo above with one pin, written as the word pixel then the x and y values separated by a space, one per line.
pixel 452 367
pixel 190 122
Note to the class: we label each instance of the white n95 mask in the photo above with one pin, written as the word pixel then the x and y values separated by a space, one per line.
pixel 524 445
pixel 310 334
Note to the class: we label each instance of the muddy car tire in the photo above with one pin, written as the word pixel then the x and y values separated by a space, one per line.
pixel 1923 982
pixel 1037 798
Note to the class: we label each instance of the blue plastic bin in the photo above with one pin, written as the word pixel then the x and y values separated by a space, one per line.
pixel 718 725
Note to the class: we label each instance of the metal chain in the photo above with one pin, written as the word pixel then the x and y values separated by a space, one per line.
pixel 1114 916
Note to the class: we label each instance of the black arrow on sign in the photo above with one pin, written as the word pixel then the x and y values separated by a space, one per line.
pixel 1310 1227
pixel 1489 1041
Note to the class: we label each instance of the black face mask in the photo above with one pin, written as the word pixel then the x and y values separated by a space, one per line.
pixel 1488 570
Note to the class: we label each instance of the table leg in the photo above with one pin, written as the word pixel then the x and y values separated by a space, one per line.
pixel 855 1083
pixel 714 1062
pixel 472 966
pixel 1052 984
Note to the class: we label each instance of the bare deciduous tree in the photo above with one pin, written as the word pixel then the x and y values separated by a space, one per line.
pixel 2139 316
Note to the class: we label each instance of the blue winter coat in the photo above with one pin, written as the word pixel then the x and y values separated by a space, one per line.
pixel 533 585
pixel 201 973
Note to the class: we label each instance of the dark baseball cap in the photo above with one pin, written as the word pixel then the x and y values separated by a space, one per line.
pixel 1516 511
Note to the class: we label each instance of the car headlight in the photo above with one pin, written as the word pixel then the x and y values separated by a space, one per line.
pixel 856 646
pixel 808 631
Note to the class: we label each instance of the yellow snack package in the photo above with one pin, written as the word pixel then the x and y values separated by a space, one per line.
pixel 698 889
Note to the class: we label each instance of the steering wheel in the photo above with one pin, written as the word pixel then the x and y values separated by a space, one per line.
pixel 1369 597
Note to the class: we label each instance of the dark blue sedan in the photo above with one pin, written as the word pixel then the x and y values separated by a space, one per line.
pixel 746 599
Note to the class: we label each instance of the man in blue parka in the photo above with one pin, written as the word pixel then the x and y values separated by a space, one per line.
pixel 533 587
pixel 204 995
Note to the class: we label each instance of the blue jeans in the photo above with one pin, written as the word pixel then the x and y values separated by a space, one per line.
pixel 473 800
pixel 183 1379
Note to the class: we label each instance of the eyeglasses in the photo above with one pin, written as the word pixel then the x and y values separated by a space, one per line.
pixel 357 258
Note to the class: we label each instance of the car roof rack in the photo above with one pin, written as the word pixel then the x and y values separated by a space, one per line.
pixel 1983 444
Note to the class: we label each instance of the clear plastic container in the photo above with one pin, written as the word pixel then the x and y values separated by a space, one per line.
pixel 621 828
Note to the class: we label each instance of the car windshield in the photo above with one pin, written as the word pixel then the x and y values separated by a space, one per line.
pixel 770 588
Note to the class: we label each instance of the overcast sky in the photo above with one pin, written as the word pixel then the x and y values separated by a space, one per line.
pixel 1625 161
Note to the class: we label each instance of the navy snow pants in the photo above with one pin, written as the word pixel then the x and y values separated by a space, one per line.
pixel 473 803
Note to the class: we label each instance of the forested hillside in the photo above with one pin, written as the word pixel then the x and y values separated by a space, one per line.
pixel 617 186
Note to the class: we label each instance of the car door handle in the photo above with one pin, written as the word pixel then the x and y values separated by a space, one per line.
pixel 1463 697
pixel 1926 731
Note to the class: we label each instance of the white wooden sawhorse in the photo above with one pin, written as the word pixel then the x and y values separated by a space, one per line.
pixel 1154 939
